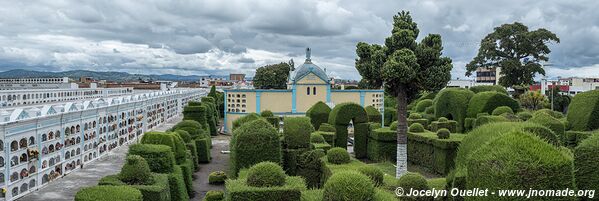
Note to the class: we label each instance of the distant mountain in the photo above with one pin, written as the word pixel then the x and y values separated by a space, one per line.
pixel 110 76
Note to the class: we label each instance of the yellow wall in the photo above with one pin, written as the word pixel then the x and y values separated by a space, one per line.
pixel 310 79
pixel 342 97
pixel 373 99
pixel 236 103
pixel 275 101
pixel 305 101
pixel 230 119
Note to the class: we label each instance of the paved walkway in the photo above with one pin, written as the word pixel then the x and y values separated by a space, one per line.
pixel 66 187
pixel 219 161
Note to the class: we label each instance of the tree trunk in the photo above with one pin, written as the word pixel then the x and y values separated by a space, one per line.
pixel 402 133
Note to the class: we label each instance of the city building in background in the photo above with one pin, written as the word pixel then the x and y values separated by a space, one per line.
pixel 489 76
pixel 570 85
pixel 36 83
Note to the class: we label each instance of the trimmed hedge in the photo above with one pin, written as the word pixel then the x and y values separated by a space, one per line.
pixel 483 88
pixel 183 134
pixel 437 155
pixel 416 128
pixel 312 169
pixel 552 123
pixel 245 119
pixel 329 137
pixel 319 114
pixel 348 186
pixel 187 173
pixel 423 104
pixel 583 112
pixel 413 181
pixel 375 174
pixel 453 103
pixel 196 113
pixel 361 131
pixel 586 163
pixel 573 138
pixel 274 120
pixel 519 160
pixel 486 119
pixel 265 174
pixel 214 195
pixel 338 155
pixel 217 177
pixel 178 189
pixel 326 127
pixel 254 142
pixel 373 114
pixel 135 171
pixel 443 133
pixel 203 149
pixel 296 132
pixel 168 139
pixel 382 145
pixel 193 149
pixel 341 116
pixel 158 191
pixel 108 193
pixel 266 113
pixel 290 157
pixel 211 117
pixel 451 125
pixel 316 137
pixel 554 114
pixel 486 102
pixel 192 127
pixel 524 115
pixel 239 190
pixel 160 158
pixel 502 110
pixel 390 115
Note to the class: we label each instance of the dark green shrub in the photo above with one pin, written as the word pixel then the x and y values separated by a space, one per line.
pixel 108 193
pixel 211 117
pixel 348 186
pixel 500 164
pixel 266 113
pixel 326 127
pixel 184 135
pixel 554 114
pixel 394 125
pixel 266 174
pixel 208 99
pixel 329 137
pixel 415 115
pixel 338 155
pixel 192 127
pixel 312 169
pixel 245 119
pixel 375 174
pixel 341 116
pixel 583 112
pixel 187 173
pixel 361 131
pixel 483 88
pixel 390 115
pixel 543 132
pixel 486 119
pixel 443 133
pixel 177 187
pixel 316 138
pixel 552 123
pixel 453 102
pixel 135 171
pixel 160 158
pixel 524 115
pixel 274 121
pixel 197 114
pixel 214 195
pixel 193 150
pixel 486 102
pixel 217 177
pixel 382 145
pixel 254 142
pixel 374 125
pixel 319 114
pixel 413 181
pixel 239 190
pixel 451 125
pixel 502 110
pixel 203 149
pixel 374 115
pixel 158 191
pixel 423 104
pixel 430 110
pixel 169 139
pixel 290 157
pixel 586 163
pixel 573 138
pixel 416 128
pixel 296 132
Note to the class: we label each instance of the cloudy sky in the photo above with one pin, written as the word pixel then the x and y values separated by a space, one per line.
pixel 221 36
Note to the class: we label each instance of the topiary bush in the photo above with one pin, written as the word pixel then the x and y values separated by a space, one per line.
pixel 486 119
pixel 390 115
pixel 217 177
pixel 415 115
pixel 214 195
pixel 552 123
pixel 254 142
pixel 453 102
pixel 196 113
pixel 316 138
pixel 168 139
pixel 296 132
pixel 393 125
pixel 586 163
pixel 338 155
pixel 348 186
pixel 184 135
pixel 266 174
pixel 160 158
pixel 108 193
pixel 245 119
pixel 443 133
pixel 312 169
pixel 177 186
pixel 483 88
pixel 326 127
pixel 266 113
pixel 524 115
pixel 157 191
pixel 554 114
pixel 583 112
pixel 423 104
pixel 319 114
pixel 373 114
pixel 136 171
pixel 413 181
pixel 382 145
pixel 375 174
pixel 416 128
pixel 329 137
pixel 500 164
pixel 341 116
pixel 486 102
pixel 502 110
pixel 192 127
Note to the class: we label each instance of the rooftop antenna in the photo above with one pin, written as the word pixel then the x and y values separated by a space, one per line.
pixel 308 54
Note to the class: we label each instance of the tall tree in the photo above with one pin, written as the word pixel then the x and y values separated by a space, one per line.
pixel 532 100
pixel 372 57
pixel 408 67
pixel 516 50
pixel 272 76
pixel 560 101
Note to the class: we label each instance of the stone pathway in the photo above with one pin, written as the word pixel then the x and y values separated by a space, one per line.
pixel 66 187
pixel 219 161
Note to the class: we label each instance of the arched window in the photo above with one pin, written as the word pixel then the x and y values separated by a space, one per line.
pixel 308 90
pixel 15 191
pixel 45 179
pixel 24 187
pixel 14 145
pixel 14 161
pixel 32 184
pixel 57 134
pixel 14 177
pixel 1 145
pixel 31 140
pixel 23 143
pixel 44 137
pixel 314 91
pixel 1 164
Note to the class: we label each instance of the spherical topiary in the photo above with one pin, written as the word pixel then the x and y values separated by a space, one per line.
pixel 217 177
pixel 443 133
pixel 338 155
pixel 266 113
pixel 214 195
pixel 375 174
pixel 413 181
pixel 316 138
pixel 348 186
pixel 502 110
pixel 525 115
pixel 415 115
pixel 136 171
pixel 393 125
pixel 442 119
pixel 423 104
pixel 266 174
pixel 416 128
